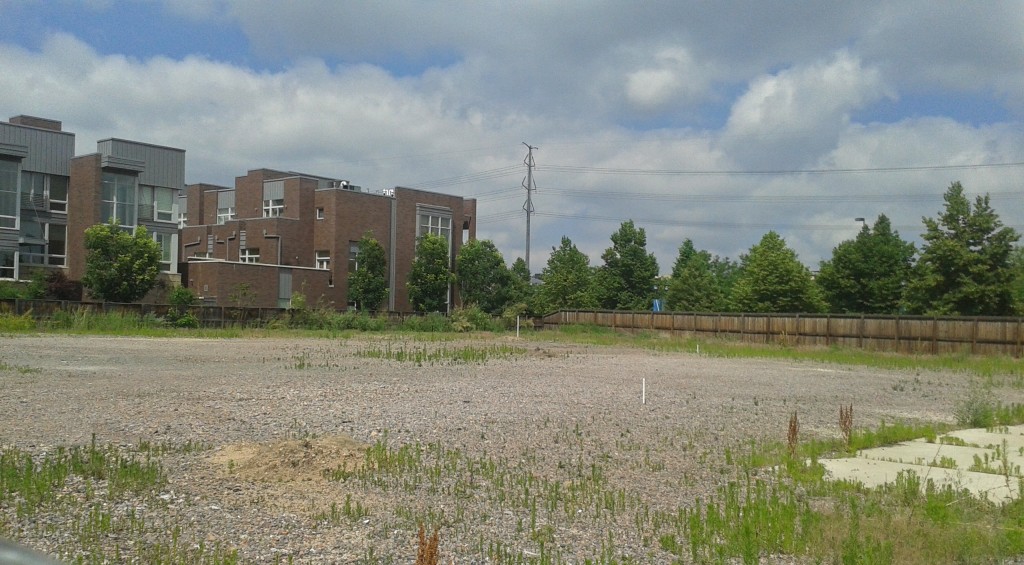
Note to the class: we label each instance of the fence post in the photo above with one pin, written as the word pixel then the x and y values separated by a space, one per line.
pixel 828 330
pixel 897 334
pixel 860 341
pixel 935 336
pixel 974 336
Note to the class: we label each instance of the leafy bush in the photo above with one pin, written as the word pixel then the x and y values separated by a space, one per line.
pixel 978 408
pixel 473 318
pixel 13 323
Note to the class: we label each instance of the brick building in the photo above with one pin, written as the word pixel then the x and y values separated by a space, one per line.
pixel 254 244
pixel 49 197
pixel 278 232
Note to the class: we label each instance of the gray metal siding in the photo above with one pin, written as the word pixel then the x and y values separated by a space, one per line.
pixel 165 166
pixel 273 190
pixel 48 151
pixel 226 199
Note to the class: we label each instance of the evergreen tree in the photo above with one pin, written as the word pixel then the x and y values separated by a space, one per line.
pixel 772 279
pixel 693 287
pixel 867 275
pixel 626 280
pixel 521 291
pixel 430 277
pixel 964 267
pixel 368 284
pixel 567 280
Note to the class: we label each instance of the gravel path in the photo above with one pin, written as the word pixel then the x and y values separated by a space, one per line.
pixel 275 412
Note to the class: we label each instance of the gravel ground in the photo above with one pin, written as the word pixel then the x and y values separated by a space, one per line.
pixel 276 412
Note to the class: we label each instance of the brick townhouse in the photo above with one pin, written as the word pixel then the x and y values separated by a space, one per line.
pixel 254 244
pixel 49 197
pixel 278 232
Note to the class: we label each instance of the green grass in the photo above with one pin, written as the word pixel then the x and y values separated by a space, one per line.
pixel 443 355
pixel 989 367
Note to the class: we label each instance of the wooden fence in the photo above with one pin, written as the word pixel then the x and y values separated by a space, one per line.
pixel 904 334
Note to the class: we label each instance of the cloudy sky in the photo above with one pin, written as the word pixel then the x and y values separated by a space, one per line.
pixel 714 121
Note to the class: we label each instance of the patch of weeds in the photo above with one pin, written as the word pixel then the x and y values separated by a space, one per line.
pixel 443 355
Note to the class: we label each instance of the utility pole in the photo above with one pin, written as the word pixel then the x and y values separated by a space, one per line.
pixel 528 205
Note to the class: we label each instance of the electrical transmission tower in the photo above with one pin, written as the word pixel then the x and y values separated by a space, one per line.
pixel 528 205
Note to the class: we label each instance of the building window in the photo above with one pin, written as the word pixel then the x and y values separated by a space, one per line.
pixel 117 199
pixel 44 192
pixel 43 244
pixel 182 219
pixel 435 224
pixel 58 193
pixel 8 264
pixel 156 203
pixel 319 213
pixel 249 255
pixel 353 256
pixel 166 241
pixel 273 208
pixel 202 255
pixel 225 215
pixel 9 199
pixel 323 259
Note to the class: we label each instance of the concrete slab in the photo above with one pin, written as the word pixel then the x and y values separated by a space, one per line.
pixel 943 464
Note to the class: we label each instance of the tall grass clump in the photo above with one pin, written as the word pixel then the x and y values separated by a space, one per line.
pixel 13 323
pixel 978 408
pixel 433 322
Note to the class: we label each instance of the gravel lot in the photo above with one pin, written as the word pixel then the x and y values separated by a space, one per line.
pixel 276 412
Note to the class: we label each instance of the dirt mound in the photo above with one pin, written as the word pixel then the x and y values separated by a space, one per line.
pixel 290 460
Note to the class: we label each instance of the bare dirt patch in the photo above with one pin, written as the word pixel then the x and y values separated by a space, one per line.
pixel 290 460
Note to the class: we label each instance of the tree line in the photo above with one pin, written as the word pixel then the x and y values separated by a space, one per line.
pixel 968 265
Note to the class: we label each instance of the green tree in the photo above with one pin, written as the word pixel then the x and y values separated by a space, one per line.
pixel 567 280
pixel 626 280
pixel 867 275
pixel 693 286
pixel 482 276
pixel 120 266
pixel 772 279
pixel 430 277
pixel 964 266
pixel 1017 265
pixel 368 283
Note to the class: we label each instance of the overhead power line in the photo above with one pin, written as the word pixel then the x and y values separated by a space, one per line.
pixel 691 172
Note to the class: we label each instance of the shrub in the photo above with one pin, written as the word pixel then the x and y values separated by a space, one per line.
pixel 472 318
pixel 433 322
pixel 978 408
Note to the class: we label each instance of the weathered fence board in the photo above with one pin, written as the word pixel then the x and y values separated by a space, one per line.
pixel 904 334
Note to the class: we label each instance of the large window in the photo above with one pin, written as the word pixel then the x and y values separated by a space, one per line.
pixel 58 190
pixel 167 242
pixel 225 214
pixel 117 199
pixel 249 255
pixel 273 208
pixel 436 224
pixel 156 203
pixel 9 198
pixel 44 192
pixel 323 259
pixel 8 264
pixel 43 244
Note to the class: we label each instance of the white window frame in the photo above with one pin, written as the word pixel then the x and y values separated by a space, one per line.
pixel 224 215
pixel 11 270
pixel 182 220
pixel 163 214
pixel 323 259
pixel 273 208
pixel 167 251
pixel 320 213
pixel 11 220
pixel 249 255
pixel 46 258
pixel 114 203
